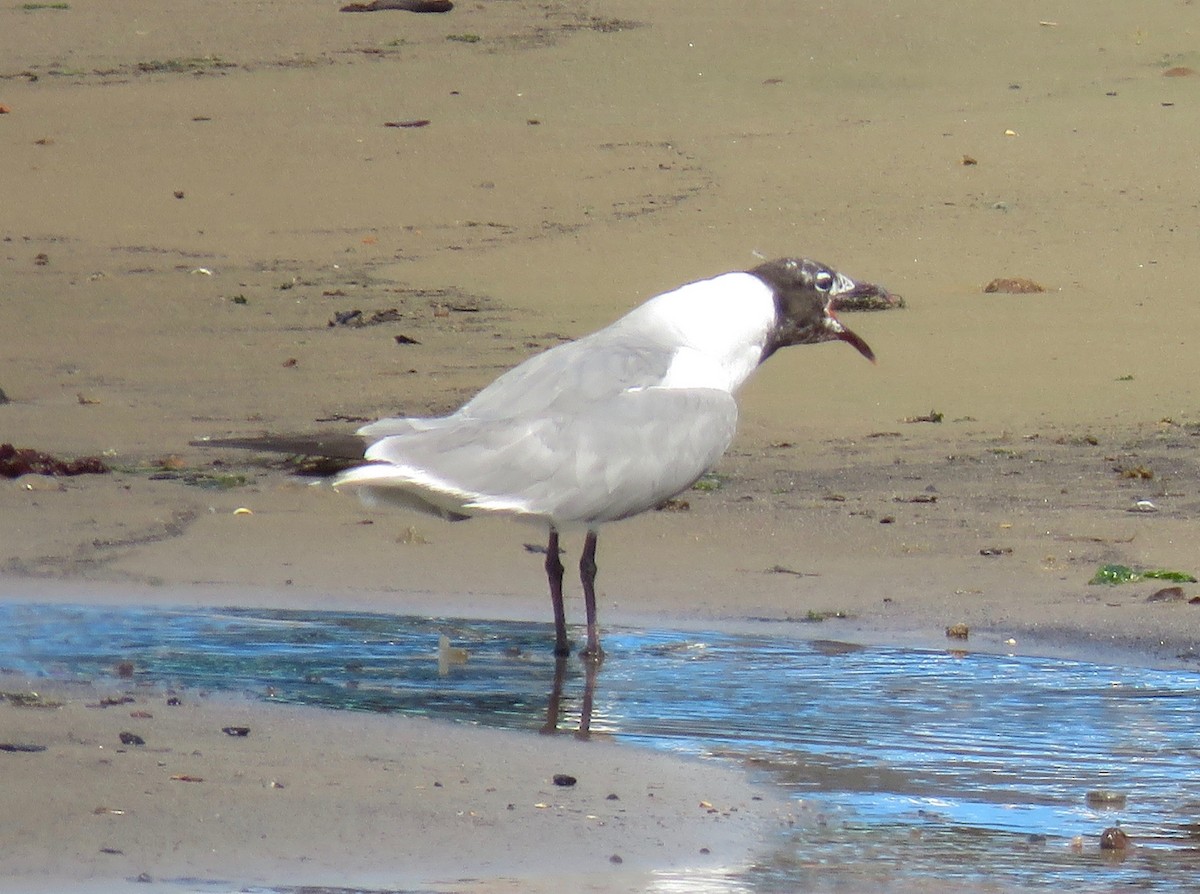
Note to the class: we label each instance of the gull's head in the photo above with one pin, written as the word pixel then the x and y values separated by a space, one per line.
pixel 806 295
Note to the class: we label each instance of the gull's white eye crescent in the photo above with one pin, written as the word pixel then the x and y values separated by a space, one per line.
pixel 823 281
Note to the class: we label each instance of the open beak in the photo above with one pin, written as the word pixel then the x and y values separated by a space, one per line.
pixel 840 332
pixel 854 296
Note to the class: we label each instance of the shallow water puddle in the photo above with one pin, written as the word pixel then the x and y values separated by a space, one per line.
pixel 912 766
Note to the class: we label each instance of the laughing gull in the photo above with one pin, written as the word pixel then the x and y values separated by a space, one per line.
pixel 613 424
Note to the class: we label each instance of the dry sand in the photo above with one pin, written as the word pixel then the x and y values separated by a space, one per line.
pixel 192 192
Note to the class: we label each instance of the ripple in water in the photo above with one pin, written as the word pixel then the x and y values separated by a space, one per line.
pixel 914 767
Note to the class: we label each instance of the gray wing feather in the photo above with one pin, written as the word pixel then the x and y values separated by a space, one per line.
pixel 565 379
pixel 612 459
pixel 398 425
pixel 571 377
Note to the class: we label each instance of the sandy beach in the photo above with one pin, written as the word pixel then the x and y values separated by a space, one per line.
pixel 197 200
pixel 348 801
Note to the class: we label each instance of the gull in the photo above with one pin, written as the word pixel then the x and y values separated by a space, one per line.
pixel 612 424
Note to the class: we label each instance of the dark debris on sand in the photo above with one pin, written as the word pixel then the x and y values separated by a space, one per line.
pixel 15 462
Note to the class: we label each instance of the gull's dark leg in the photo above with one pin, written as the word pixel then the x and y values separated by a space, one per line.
pixel 587 573
pixel 554 573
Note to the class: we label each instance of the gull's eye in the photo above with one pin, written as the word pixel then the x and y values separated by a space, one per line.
pixel 823 281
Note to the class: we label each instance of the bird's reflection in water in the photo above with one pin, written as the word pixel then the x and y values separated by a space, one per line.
pixel 554 702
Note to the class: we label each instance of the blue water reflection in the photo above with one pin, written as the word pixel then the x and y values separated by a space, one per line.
pixel 912 764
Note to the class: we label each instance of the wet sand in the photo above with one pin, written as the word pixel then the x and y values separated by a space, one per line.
pixel 192 195
pixel 351 801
